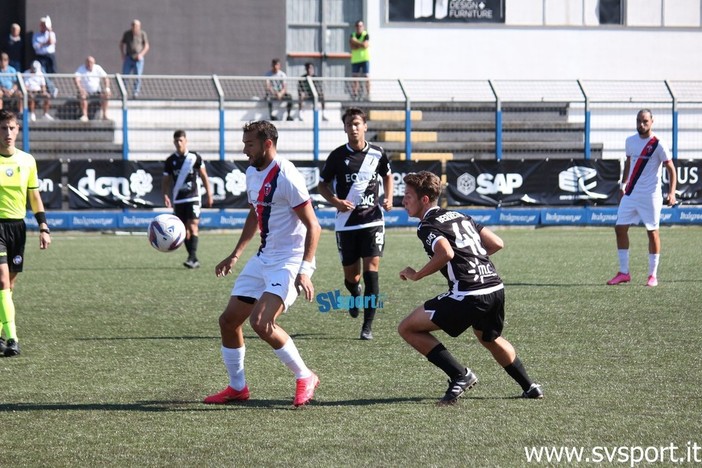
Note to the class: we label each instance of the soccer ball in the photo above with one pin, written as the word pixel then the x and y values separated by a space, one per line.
pixel 166 233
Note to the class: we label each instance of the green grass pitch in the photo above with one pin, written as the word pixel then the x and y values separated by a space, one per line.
pixel 120 344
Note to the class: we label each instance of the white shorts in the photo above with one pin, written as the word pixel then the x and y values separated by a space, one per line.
pixel 277 278
pixel 633 210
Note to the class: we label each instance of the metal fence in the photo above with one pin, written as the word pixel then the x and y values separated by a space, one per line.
pixel 411 119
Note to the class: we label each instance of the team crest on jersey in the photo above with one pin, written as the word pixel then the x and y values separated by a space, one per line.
pixel 267 189
pixel 17 260
pixel 9 172
pixel 346 161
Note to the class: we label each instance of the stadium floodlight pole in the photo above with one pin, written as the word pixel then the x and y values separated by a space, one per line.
pixel 498 123
pixel 408 123
pixel 125 117
pixel 675 120
pixel 588 148
pixel 220 93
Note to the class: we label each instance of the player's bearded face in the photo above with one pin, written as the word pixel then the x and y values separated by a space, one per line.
pixel 254 149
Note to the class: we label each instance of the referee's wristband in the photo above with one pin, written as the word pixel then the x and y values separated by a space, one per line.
pixel 40 216
pixel 307 268
pixel 46 230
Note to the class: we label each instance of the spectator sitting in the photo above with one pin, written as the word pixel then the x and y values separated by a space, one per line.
pixel 92 82
pixel 277 89
pixel 9 88
pixel 35 83
pixel 304 91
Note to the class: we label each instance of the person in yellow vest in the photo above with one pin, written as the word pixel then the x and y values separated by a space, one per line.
pixel 18 182
pixel 360 60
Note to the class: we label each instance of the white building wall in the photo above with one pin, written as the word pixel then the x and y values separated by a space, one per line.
pixel 523 48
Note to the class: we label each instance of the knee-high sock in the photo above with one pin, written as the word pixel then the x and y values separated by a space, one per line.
pixel 234 362
pixel 444 360
pixel 290 356
pixel 370 279
pixel 193 247
pixel 518 373
pixel 7 314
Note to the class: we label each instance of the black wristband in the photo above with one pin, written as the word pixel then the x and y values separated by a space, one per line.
pixel 46 230
pixel 40 217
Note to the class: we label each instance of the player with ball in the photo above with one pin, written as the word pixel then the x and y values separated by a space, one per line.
pixel 281 210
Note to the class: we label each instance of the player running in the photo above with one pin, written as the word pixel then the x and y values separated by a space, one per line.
pixel 459 248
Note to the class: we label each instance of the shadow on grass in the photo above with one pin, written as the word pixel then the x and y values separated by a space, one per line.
pixel 157 406
pixel 301 336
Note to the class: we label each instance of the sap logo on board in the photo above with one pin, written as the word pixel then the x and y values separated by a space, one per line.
pixel 489 184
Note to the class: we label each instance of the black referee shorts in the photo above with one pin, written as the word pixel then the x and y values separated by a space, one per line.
pixel 13 236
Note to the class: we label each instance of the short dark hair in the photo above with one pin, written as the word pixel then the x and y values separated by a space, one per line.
pixel 275 61
pixel 645 111
pixel 7 115
pixel 353 112
pixel 263 129
pixel 179 133
pixel 424 183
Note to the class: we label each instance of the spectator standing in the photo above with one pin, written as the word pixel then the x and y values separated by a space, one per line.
pixel 92 82
pixel 182 192
pixel 277 88
pixel 351 179
pixel 9 87
pixel 35 84
pixel 360 60
pixel 641 199
pixel 133 47
pixel 19 184
pixel 304 90
pixel 44 44
pixel 15 47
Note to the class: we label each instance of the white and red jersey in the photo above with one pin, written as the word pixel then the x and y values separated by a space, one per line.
pixel 274 193
pixel 647 156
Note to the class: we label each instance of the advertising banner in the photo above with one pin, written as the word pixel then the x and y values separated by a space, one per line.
pixel 49 173
pixel 530 183
pixel 447 11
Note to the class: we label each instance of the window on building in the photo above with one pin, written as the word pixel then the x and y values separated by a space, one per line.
pixel 610 11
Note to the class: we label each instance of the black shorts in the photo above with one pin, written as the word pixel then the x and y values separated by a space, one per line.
pixel 454 314
pixel 187 211
pixel 13 236
pixel 361 243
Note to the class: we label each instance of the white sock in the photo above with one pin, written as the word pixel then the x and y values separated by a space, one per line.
pixel 623 260
pixel 653 260
pixel 290 356
pixel 234 361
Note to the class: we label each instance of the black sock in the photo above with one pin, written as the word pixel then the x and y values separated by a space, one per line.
pixel 353 288
pixel 370 279
pixel 441 358
pixel 188 247
pixel 518 373
pixel 193 248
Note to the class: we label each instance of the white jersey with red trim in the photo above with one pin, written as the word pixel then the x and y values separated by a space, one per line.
pixel 274 193
pixel 647 156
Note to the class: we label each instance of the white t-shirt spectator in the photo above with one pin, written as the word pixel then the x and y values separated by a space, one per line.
pixel 90 79
pixel 34 78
